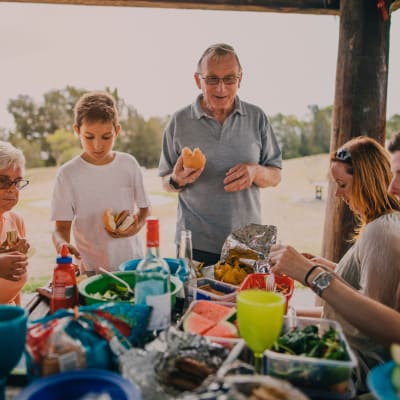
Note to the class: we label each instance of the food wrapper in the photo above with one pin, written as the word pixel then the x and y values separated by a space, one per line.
pixel 88 337
pixel 157 369
pixel 238 381
pixel 252 242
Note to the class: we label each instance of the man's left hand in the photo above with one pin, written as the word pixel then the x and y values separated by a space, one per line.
pixel 240 177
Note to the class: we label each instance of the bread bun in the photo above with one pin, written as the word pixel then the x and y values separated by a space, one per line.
pixel 120 217
pixel 117 222
pixel 194 160
pixel 126 223
pixel 109 221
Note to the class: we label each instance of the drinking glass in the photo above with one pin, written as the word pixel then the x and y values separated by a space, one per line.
pixel 260 319
pixel 13 324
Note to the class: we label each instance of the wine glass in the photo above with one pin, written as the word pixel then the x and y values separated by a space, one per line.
pixel 13 325
pixel 260 319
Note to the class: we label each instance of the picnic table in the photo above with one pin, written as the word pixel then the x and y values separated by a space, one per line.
pixel 38 306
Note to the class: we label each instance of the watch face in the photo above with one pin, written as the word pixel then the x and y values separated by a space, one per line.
pixel 322 281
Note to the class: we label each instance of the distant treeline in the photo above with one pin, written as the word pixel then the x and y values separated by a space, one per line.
pixel 44 131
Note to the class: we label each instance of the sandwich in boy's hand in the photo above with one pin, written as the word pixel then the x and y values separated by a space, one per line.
pixel 117 222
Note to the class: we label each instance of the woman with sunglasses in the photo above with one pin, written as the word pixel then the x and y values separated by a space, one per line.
pixel 13 259
pixel 361 170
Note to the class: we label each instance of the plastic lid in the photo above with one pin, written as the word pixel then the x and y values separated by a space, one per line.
pixel 65 258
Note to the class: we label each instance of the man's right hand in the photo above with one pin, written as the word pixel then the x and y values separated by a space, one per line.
pixel 13 265
pixel 184 176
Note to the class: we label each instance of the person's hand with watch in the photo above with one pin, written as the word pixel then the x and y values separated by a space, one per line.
pixel 181 177
pixel 287 260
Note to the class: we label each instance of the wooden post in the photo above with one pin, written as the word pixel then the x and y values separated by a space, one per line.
pixel 360 102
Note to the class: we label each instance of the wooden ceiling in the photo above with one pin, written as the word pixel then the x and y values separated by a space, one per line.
pixel 328 7
pixel 286 6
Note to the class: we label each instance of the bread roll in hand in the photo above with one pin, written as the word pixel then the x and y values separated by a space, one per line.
pixel 117 222
pixel 194 160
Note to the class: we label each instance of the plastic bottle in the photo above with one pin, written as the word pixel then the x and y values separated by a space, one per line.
pixel 64 289
pixel 152 280
pixel 186 259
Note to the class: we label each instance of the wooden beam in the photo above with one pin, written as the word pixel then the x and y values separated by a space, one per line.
pixel 360 101
pixel 330 7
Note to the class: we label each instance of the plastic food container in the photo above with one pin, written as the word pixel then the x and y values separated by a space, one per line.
pixel 223 341
pixel 309 372
pixel 131 265
pixel 227 291
pixel 100 283
pixel 284 284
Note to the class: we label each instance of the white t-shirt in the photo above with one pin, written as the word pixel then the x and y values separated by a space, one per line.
pixel 83 191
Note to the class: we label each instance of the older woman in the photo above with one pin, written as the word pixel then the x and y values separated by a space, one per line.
pixel 361 170
pixel 13 259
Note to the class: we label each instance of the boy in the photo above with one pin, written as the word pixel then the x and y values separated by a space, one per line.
pixel 96 180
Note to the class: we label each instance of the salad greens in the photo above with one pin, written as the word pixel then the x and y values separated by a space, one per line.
pixel 115 292
pixel 307 342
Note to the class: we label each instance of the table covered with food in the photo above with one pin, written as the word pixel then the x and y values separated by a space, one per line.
pixel 204 354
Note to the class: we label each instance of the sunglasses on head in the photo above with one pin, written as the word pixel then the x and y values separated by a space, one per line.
pixel 343 155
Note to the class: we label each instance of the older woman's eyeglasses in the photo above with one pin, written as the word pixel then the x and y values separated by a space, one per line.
pixel 214 80
pixel 6 183
pixel 343 155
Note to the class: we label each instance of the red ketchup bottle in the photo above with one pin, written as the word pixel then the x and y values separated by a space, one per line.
pixel 65 294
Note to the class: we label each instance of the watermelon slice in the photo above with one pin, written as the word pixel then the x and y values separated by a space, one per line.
pixel 196 323
pixel 213 311
pixel 223 329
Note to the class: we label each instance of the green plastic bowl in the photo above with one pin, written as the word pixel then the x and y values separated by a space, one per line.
pixel 100 283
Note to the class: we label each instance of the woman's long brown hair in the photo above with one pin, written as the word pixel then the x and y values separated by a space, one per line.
pixel 369 164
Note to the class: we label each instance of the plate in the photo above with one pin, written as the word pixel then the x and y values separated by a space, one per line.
pixel 380 383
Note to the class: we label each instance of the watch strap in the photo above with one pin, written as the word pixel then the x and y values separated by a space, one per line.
pixel 174 184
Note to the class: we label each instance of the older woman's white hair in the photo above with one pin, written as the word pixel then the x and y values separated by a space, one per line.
pixel 10 156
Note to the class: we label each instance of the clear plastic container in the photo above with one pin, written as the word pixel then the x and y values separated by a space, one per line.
pixel 206 290
pixel 309 372
pixel 223 341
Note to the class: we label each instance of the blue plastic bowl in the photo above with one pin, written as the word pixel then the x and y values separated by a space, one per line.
pixel 76 384
pixel 132 264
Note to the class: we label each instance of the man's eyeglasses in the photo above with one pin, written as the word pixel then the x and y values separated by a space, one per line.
pixel 343 155
pixel 6 183
pixel 214 80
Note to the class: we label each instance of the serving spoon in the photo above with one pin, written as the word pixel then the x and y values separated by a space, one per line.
pixel 130 290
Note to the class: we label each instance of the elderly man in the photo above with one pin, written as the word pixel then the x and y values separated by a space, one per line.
pixel 241 150
pixel 394 148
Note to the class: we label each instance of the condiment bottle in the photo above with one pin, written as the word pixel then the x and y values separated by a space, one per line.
pixel 152 280
pixel 64 288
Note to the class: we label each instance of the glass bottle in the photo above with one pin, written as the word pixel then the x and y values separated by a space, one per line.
pixel 152 280
pixel 186 257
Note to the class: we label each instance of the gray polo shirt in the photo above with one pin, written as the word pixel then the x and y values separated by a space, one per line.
pixel 204 207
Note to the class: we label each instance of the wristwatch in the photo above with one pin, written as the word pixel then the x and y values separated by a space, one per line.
pixel 174 184
pixel 322 282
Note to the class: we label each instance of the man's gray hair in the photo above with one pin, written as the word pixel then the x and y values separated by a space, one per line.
pixel 10 156
pixel 217 51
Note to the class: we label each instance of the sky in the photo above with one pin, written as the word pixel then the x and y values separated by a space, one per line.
pixel 150 55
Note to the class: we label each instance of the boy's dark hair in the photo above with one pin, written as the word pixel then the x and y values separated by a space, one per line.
pixel 95 107
pixel 394 144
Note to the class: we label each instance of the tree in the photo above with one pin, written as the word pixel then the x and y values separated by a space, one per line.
pixel 63 146
pixel 320 129
pixel 31 150
pixel 141 138
pixel 393 126
pixel 289 131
